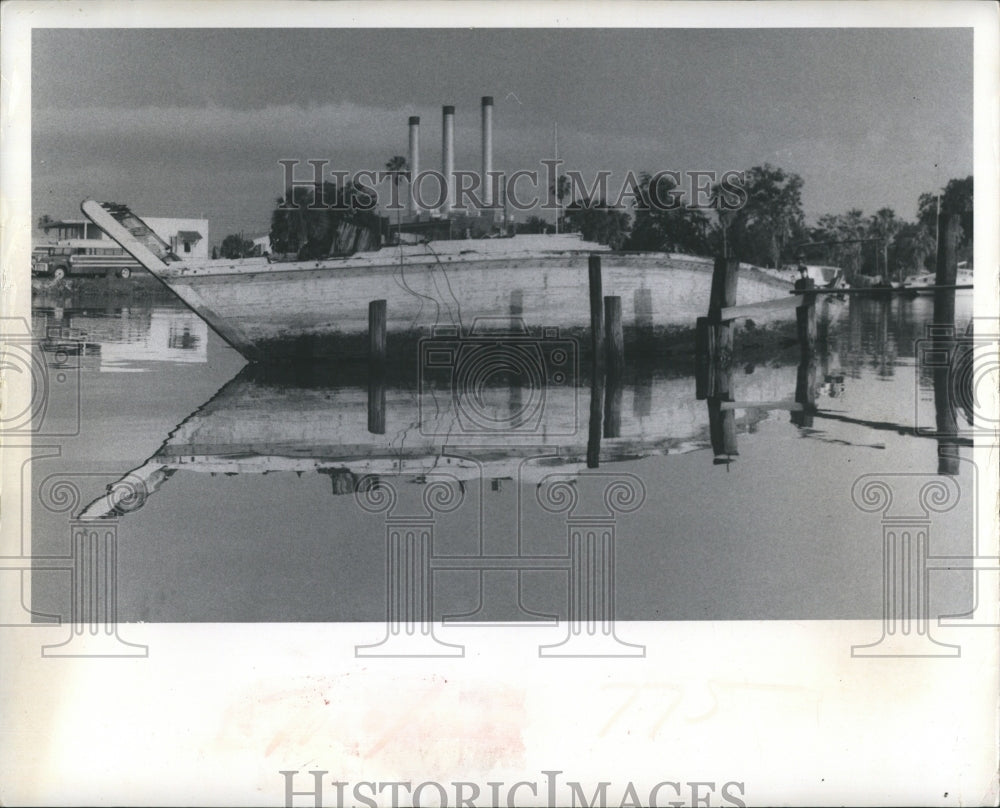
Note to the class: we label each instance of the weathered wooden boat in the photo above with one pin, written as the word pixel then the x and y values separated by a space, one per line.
pixel 261 423
pixel 274 310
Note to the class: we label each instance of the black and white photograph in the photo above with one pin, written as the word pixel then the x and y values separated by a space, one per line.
pixel 476 405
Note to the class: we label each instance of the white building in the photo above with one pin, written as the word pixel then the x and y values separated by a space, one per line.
pixel 188 238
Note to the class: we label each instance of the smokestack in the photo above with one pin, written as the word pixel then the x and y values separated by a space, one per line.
pixel 448 155
pixel 413 163
pixel 487 149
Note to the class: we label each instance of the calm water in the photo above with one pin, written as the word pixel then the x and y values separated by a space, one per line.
pixel 249 511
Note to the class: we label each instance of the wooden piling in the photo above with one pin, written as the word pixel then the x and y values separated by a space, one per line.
pixel 613 394
pixel 725 274
pixel 945 347
pixel 713 336
pixel 376 331
pixel 947 252
pixel 805 319
pixel 596 310
pixel 376 366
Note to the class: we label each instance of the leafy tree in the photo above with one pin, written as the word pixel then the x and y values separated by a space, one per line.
pixel 841 239
pixel 769 222
pixel 235 246
pixel 396 165
pixel 884 226
pixel 560 189
pixel 598 221
pixel 913 246
pixel 681 229
pixel 956 197
pixel 317 221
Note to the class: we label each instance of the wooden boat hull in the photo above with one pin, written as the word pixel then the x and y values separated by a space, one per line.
pixel 309 309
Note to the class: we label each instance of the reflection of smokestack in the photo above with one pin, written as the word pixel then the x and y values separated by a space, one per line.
pixel 448 155
pixel 487 148
pixel 413 162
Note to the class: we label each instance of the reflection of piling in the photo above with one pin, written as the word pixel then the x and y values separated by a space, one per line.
pixel 945 412
pixel 615 347
pixel 805 391
pixel 614 337
pixel 594 431
pixel 722 428
pixel 376 366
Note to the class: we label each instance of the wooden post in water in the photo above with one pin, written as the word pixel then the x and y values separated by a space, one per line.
pixel 945 345
pixel 805 319
pixel 725 274
pixel 805 381
pixel 596 310
pixel 615 346
pixel 376 331
pixel 597 362
pixel 714 358
pixel 376 366
pixel 947 252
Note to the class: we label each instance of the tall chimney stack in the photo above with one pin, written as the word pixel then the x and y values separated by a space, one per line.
pixel 487 187
pixel 448 156
pixel 413 163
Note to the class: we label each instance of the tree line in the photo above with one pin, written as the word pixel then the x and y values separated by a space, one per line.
pixel 768 230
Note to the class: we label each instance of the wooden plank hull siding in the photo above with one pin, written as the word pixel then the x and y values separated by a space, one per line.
pixel 255 426
pixel 273 311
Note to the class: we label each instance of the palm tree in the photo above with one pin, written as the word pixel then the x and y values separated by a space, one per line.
pixel 396 165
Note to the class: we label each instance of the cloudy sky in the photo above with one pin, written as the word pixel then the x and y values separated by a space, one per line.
pixel 193 122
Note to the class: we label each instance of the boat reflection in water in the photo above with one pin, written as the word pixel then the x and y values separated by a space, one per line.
pixel 336 423
pixel 497 418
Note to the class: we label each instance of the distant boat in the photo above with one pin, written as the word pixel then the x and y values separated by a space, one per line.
pixel 826 277
pixel 272 310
